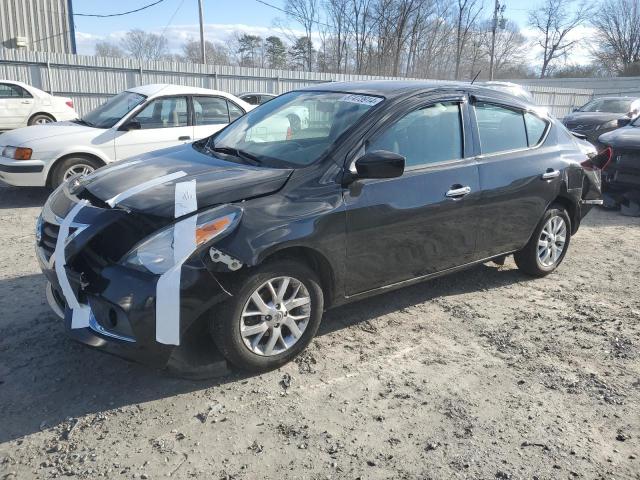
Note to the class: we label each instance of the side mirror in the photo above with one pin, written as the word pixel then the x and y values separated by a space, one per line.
pixel 130 125
pixel 622 122
pixel 380 164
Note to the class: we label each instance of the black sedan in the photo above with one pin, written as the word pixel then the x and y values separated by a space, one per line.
pixel 622 173
pixel 250 237
pixel 602 115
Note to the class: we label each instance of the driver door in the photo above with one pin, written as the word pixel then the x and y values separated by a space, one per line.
pixel 164 122
pixel 424 221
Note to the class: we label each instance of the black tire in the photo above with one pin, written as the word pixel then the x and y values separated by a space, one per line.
pixel 225 324
pixel 62 166
pixel 40 118
pixel 528 259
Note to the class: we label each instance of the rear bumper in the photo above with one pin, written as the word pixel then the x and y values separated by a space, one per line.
pixel 27 173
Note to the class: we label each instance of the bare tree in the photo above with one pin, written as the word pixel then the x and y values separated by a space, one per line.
pixel 143 45
pixel 216 54
pixel 306 13
pixel 105 48
pixel 618 32
pixel 466 16
pixel 553 21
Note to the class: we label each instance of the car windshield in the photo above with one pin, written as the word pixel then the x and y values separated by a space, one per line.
pixel 110 112
pixel 292 130
pixel 611 105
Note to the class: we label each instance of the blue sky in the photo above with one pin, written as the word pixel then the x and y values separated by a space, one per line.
pixel 178 20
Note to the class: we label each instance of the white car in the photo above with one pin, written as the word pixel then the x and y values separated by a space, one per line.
pixel 135 121
pixel 22 105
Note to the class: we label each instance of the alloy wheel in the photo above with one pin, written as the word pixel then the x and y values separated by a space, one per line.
pixel 552 241
pixel 42 120
pixel 275 316
pixel 78 169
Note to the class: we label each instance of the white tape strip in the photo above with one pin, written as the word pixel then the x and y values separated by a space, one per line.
pixel 184 244
pixel 112 202
pixel 80 313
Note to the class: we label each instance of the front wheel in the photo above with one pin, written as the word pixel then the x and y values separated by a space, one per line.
pixel 272 318
pixel 548 244
pixel 72 166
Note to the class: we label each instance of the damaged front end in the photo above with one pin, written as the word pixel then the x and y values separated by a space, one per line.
pixel 116 262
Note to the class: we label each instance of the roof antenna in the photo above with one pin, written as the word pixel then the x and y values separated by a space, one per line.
pixel 474 78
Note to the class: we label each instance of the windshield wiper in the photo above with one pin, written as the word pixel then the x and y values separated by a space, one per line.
pixel 236 153
pixel 81 121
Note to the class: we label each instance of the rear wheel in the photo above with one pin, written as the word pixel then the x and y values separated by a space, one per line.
pixel 72 166
pixel 272 318
pixel 548 244
pixel 40 119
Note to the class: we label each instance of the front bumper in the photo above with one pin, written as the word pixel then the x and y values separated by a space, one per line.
pixel 22 173
pixel 123 301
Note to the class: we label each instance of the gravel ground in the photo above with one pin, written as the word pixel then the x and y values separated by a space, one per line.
pixel 482 374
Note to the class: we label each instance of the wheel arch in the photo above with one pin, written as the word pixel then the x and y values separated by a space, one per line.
pixel 571 206
pixel 47 114
pixel 62 158
pixel 315 260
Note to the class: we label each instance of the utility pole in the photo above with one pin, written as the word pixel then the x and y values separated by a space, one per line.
pixel 498 10
pixel 202 50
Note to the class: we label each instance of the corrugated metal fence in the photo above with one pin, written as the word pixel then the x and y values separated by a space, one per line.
pixel 89 81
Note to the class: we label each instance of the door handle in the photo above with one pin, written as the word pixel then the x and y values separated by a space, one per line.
pixel 458 191
pixel 550 173
pixel 26 101
pixel 185 137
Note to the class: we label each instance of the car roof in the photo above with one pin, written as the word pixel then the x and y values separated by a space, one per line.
pixel 258 93
pixel 393 89
pixel 154 89
pixel 613 97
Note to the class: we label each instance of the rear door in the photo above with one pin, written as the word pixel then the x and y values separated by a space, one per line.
pixel 15 106
pixel 164 122
pixel 424 221
pixel 520 175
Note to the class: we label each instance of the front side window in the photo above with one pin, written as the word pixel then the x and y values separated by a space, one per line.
pixel 167 112
pixel 428 135
pixel 210 110
pixel 112 111
pixel 501 129
pixel 293 130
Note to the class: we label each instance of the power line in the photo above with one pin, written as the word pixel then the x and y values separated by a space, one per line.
pixel 117 14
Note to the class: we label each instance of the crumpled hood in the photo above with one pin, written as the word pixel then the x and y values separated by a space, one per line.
pixel 27 136
pixel 217 181
pixel 626 137
pixel 592 118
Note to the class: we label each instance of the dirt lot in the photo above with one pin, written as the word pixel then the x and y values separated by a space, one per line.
pixel 483 374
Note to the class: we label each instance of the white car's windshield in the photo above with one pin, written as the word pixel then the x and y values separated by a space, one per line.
pixel 292 130
pixel 110 112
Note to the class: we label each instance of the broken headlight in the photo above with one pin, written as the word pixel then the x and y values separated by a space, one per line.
pixel 157 254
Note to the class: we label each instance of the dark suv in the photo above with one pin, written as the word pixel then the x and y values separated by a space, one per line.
pixel 251 234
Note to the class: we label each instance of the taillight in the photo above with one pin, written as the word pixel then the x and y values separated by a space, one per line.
pixel 599 161
pixel 289 133
pixel 69 103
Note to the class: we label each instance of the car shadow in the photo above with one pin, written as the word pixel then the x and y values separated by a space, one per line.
pixel 22 197
pixel 46 378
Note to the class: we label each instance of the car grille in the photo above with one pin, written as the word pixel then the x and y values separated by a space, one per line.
pixel 49 237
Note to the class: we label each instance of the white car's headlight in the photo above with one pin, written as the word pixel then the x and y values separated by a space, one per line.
pixel 156 252
pixel 17 153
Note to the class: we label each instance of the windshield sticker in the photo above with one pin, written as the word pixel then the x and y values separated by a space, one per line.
pixel 361 99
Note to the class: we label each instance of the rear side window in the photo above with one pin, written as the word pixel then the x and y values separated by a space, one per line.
pixel 11 91
pixel 234 111
pixel 428 135
pixel 501 129
pixel 210 110
pixel 536 127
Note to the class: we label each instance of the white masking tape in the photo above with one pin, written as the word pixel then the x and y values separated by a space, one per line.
pixel 80 313
pixel 112 202
pixel 184 244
